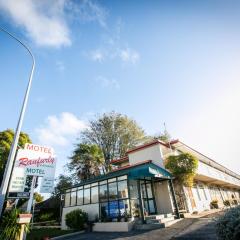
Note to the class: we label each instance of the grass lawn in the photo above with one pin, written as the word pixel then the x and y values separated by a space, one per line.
pixel 38 234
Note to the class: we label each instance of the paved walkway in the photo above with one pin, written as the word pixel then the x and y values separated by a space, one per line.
pixel 198 227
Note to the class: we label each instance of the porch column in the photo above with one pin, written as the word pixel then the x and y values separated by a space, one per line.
pixel 140 201
pixel 174 198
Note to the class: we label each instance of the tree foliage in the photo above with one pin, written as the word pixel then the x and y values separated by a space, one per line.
pixel 86 161
pixel 10 229
pixel 183 167
pixel 38 197
pixel 63 182
pixel 114 133
pixel 6 139
pixel 164 136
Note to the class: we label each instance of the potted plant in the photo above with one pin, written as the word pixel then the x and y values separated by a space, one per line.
pixel 214 204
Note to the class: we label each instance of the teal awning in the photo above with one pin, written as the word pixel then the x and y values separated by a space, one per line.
pixel 141 170
pixel 149 170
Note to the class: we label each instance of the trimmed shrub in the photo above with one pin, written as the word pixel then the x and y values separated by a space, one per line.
pixel 76 219
pixel 228 226
pixel 46 217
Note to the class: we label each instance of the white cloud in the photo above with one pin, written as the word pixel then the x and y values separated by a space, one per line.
pixel 112 47
pixel 47 22
pixel 89 11
pixel 129 55
pixel 60 130
pixel 44 28
pixel 97 55
pixel 107 82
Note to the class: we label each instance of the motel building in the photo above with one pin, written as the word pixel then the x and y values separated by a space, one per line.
pixel 139 192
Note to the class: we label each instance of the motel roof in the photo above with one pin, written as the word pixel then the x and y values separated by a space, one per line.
pixel 142 169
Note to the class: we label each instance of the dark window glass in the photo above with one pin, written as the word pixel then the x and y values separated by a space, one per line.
pixel 94 194
pixel 151 207
pixel 122 189
pixel 149 190
pixel 104 211
pixel 103 195
pixel 112 189
pixel 86 195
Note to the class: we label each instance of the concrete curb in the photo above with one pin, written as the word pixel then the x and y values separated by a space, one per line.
pixel 67 235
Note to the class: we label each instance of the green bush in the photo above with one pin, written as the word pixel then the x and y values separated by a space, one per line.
pixel 10 229
pixel 76 219
pixel 183 167
pixel 46 217
pixel 228 226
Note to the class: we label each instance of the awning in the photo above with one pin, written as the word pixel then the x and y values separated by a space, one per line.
pixel 149 170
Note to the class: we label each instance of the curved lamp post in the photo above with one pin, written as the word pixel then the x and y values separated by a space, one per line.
pixel 10 161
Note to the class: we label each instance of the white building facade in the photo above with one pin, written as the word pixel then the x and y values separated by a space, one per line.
pixel 140 186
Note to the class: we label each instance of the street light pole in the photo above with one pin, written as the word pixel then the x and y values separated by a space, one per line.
pixel 11 157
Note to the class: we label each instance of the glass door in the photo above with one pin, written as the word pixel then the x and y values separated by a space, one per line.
pixel 148 197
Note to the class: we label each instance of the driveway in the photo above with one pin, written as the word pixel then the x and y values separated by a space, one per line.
pixel 199 228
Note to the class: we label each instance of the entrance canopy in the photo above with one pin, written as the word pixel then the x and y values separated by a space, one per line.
pixel 148 170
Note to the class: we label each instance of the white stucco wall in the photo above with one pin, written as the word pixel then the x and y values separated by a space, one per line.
pixel 206 170
pixel 113 227
pixel 91 209
pixel 153 153
pixel 163 198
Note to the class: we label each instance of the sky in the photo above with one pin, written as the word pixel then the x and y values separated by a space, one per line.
pixel 155 61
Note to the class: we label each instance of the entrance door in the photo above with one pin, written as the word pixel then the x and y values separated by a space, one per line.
pixel 148 197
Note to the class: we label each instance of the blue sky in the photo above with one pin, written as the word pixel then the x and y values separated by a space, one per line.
pixel 156 61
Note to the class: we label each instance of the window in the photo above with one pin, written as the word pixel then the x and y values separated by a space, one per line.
pixel 112 191
pixel 113 209
pixel 203 190
pixel 73 198
pixel 94 194
pixel 133 189
pixel 199 197
pixel 103 194
pixel 80 197
pixel 149 190
pixel 111 180
pixel 122 189
pixel 124 207
pixel 86 195
pixel 104 211
pixel 122 178
pixel 67 199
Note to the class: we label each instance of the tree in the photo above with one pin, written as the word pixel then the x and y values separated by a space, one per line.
pixel 86 161
pixel 114 133
pixel 6 139
pixel 38 197
pixel 183 167
pixel 164 136
pixel 62 183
